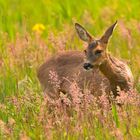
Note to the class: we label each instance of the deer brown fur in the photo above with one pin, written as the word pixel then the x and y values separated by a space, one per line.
pixel 101 68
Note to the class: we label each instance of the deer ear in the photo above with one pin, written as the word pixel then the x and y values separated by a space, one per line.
pixel 108 33
pixel 82 33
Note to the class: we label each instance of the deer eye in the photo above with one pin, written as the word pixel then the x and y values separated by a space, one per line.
pixel 98 52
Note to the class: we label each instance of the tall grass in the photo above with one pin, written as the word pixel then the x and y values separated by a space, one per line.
pixel 24 112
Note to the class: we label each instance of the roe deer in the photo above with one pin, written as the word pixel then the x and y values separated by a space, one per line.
pixel 99 67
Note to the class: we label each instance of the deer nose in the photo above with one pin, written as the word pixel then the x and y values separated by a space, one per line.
pixel 87 66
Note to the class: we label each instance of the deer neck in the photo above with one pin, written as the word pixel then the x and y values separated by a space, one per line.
pixel 110 68
pixel 118 73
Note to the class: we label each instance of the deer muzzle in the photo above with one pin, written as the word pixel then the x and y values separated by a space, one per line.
pixel 87 66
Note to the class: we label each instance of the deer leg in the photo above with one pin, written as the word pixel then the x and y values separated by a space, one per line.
pixel 115 93
pixel 114 90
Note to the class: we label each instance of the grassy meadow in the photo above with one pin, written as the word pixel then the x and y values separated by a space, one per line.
pixel 30 32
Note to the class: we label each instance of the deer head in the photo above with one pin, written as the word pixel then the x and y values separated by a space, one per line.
pixel 96 52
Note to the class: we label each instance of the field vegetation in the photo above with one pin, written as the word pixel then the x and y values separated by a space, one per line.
pixel 32 31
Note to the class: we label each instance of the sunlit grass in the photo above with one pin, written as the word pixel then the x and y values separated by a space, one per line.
pixel 32 31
